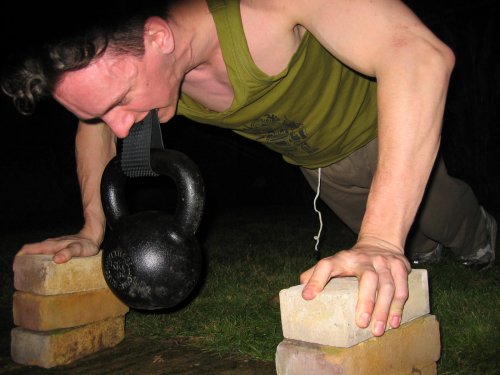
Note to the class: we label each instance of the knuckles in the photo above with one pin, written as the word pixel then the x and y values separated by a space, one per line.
pixel 401 294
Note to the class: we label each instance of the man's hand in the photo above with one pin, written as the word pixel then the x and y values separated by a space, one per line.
pixel 64 247
pixel 382 271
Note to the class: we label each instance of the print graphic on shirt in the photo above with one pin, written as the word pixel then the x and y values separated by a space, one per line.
pixel 283 133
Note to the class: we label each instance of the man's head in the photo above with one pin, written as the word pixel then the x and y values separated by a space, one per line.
pixel 121 88
pixel 55 48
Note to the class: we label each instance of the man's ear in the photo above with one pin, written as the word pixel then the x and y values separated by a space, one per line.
pixel 158 34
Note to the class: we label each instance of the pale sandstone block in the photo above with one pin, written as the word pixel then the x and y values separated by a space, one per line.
pixel 44 313
pixel 61 347
pixel 428 370
pixel 413 348
pixel 38 274
pixel 329 319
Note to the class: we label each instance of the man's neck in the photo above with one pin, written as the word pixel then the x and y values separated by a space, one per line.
pixel 198 53
pixel 195 35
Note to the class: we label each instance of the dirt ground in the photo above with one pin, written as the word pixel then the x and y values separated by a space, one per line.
pixel 138 356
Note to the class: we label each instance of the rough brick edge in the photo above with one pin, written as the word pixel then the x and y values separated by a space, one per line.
pixel 62 347
pixel 38 274
pixel 47 313
pixel 415 345
pixel 296 316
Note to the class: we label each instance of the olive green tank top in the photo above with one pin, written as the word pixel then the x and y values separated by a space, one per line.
pixel 315 112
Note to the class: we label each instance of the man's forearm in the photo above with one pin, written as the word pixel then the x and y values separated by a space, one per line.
pixel 411 103
pixel 95 147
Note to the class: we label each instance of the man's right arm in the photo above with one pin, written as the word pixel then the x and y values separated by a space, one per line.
pixel 95 147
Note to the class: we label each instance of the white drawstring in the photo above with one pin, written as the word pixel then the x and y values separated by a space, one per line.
pixel 317 237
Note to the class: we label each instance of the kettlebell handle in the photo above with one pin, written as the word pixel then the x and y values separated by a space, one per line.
pixel 171 163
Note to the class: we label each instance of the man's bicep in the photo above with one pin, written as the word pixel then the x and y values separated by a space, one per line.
pixel 363 34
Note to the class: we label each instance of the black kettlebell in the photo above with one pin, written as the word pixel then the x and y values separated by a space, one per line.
pixel 152 260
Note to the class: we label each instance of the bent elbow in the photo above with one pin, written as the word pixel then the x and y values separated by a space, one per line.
pixel 434 61
pixel 441 58
pixel 447 57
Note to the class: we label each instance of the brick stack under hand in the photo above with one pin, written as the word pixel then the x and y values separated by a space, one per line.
pixel 62 312
pixel 321 337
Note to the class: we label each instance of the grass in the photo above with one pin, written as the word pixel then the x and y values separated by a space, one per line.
pixel 467 304
pixel 251 256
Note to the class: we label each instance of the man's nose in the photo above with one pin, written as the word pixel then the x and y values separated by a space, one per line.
pixel 120 123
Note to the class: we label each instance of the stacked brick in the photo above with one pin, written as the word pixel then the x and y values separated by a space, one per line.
pixel 62 312
pixel 321 336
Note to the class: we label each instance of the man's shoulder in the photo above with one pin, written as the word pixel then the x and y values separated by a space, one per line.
pixel 262 4
pixel 277 7
pixel 271 12
pixel 285 12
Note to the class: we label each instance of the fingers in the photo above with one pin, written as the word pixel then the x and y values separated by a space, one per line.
pixel 383 291
pixel 49 246
pixel 63 248
pixel 368 285
pixel 400 276
pixel 73 249
pixel 384 295
pixel 317 277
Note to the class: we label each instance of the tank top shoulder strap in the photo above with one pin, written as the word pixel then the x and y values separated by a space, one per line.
pixel 227 18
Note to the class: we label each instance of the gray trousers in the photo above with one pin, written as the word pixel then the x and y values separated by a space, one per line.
pixel 449 213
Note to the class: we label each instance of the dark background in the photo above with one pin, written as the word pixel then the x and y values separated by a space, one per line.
pixel 37 165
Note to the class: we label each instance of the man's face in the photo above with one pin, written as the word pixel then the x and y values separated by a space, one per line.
pixel 121 90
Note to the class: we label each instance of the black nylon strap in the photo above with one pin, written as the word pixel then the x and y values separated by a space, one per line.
pixel 136 151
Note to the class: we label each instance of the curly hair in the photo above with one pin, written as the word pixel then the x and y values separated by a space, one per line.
pixel 33 75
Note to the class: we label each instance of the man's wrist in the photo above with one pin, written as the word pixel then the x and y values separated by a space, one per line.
pixel 94 230
pixel 366 240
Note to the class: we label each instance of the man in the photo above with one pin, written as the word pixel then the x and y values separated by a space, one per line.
pixel 351 91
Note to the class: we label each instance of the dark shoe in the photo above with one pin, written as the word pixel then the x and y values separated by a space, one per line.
pixel 484 256
pixel 431 257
